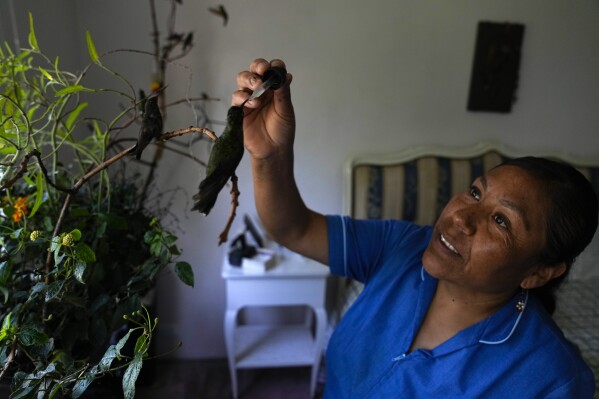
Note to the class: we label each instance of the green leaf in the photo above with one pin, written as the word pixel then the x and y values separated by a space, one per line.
pixel 101 230
pixel 36 289
pixel 57 388
pixel 79 270
pixel 28 180
pixel 16 233
pixel 149 236
pixel 6 321
pixel 169 238
pixel 31 335
pixel 46 74
pixel 131 375
pixel 55 244
pixel 39 194
pixel 84 253
pixel 155 248
pixel 23 392
pixel 58 257
pixel 76 233
pixel 47 223
pixel 42 350
pixel 82 384
pixel 5 272
pixel 185 273
pixel 32 38
pixel 5 293
pixel 93 54
pixel 174 250
pixel 109 356
pixel 141 346
pixel 54 289
pixel 122 342
pixel 71 90
pixel 74 114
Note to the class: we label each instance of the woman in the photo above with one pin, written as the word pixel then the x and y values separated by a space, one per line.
pixel 455 310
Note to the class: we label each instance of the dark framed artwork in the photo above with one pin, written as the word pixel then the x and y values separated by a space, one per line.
pixel 495 69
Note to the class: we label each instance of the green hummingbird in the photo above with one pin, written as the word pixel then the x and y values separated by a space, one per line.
pixel 224 158
pixel 151 125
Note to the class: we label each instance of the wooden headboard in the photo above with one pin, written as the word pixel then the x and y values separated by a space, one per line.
pixel 416 184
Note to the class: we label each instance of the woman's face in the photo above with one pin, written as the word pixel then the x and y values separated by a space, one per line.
pixel 488 238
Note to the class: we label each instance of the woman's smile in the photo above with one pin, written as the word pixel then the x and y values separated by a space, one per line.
pixel 448 245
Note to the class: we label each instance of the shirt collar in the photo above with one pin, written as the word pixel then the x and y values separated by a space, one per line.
pixel 504 323
pixel 495 329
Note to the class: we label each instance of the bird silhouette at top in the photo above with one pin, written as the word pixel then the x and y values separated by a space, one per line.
pixel 221 12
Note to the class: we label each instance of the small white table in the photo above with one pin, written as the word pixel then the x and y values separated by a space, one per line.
pixel 293 281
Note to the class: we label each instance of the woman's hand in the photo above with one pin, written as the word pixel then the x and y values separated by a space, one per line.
pixel 269 122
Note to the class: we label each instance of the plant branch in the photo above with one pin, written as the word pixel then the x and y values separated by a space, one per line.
pixel 224 235
pixel 23 169
pixel 191 129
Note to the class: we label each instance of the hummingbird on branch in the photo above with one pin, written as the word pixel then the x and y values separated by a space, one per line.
pixel 224 158
pixel 151 125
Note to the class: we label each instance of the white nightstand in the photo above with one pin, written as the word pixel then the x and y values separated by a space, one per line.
pixel 293 281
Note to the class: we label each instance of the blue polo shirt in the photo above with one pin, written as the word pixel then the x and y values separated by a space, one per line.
pixel 510 354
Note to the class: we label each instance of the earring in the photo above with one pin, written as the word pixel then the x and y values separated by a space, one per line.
pixel 521 301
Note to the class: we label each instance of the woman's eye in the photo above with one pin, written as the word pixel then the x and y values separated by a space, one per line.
pixel 500 220
pixel 475 192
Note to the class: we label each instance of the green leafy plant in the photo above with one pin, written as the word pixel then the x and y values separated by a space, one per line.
pixel 79 252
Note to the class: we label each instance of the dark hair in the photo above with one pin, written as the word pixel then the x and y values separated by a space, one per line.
pixel 571 217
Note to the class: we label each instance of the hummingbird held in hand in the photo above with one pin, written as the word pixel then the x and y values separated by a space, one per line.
pixel 224 158
pixel 151 125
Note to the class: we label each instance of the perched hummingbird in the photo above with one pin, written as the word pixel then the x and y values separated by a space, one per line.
pixel 224 158
pixel 151 125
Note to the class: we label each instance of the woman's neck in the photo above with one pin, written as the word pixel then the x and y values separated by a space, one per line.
pixel 452 310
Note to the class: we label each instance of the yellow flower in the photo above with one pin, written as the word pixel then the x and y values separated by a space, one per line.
pixel 35 234
pixel 20 209
pixel 67 240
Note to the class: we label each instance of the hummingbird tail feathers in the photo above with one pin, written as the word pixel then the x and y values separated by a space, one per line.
pixel 210 187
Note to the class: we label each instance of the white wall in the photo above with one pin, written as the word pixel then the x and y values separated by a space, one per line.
pixel 369 77
pixel 55 27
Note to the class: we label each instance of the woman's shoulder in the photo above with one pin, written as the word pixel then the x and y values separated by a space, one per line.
pixel 549 341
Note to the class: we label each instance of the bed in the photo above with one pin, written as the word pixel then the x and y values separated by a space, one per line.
pixel 416 184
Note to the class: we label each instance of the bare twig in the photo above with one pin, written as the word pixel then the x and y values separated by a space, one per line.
pixel 191 129
pixel 224 236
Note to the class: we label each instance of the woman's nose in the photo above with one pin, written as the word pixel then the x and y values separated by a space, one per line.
pixel 465 219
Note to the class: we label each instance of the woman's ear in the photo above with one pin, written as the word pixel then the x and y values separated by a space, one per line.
pixel 543 275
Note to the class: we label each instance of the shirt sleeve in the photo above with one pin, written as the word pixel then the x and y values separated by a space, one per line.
pixel 357 248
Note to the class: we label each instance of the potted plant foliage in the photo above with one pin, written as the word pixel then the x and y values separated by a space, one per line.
pixel 80 248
